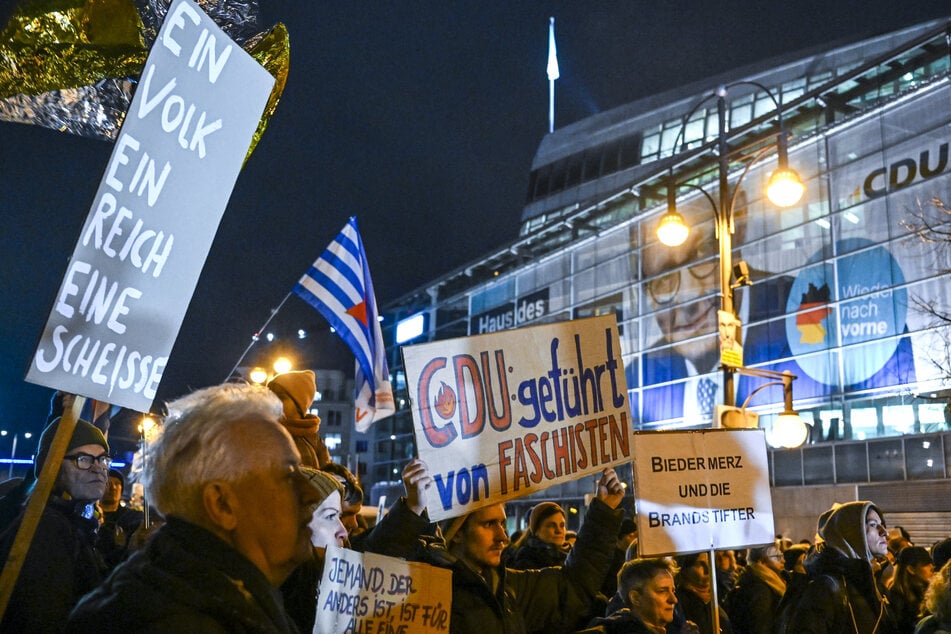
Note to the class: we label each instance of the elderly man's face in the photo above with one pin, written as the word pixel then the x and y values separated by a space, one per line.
pixel 685 297
pixel 83 484
pixel 274 502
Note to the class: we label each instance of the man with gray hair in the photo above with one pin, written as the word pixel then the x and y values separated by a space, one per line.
pixel 224 473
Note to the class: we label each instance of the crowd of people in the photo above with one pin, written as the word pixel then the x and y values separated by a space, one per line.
pixel 244 502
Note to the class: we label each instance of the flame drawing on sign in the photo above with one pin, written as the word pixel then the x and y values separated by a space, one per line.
pixel 445 403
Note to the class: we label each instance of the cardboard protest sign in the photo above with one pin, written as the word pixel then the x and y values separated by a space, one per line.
pixel 155 214
pixel 363 593
pixel 502 415
pixel 701 490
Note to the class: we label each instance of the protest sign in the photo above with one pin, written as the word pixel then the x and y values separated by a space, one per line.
pixel 502 415
pixel 154 216
pixel 701 490
pixel 363 593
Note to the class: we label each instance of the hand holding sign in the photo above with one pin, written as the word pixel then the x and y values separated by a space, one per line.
pixel 416 480
pixel 610 489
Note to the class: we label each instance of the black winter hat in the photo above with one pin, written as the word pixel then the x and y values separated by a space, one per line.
pixel 85 433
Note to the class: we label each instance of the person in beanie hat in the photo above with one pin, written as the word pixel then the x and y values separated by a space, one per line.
pixel 300 589
pixel 325 525
pixel 297 390
pixel 842 594
pixel 62 563
pixel 543 542
pixel 488 596
pixel 119 521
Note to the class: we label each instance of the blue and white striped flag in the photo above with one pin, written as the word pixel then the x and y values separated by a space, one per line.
pixel 338 285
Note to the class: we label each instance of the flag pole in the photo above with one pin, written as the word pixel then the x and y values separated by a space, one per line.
pixel 553 74
pixel 256 335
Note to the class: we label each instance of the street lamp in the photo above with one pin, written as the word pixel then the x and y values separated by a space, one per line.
pixel 147 427
pixel 789 430
pixel 13 450
pixel 784 189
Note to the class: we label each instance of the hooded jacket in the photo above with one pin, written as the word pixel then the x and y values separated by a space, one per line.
pixel 842 595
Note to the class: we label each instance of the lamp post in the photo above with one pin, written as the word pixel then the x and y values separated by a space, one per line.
pixel 784 189
pixel 13 450
pixel 146 427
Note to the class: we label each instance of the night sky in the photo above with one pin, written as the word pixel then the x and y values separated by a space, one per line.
pixel 420 118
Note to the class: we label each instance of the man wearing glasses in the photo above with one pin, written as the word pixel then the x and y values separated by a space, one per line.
pixel 225 475
pixel 62 563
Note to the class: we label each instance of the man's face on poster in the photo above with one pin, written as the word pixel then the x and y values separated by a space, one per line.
pixel 682 287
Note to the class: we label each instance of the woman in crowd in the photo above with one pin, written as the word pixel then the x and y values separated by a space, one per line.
pixel 913 571
pixel 543 543
pixel 695 593
pixel 753 602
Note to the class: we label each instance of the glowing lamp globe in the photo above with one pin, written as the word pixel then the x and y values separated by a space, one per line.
pixel 789 431
pixel 785 188
pixel 672 231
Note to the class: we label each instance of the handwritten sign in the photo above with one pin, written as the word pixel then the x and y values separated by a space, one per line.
pixel 137 261
pixel 701 490
pixel 363 593
pixel 502 415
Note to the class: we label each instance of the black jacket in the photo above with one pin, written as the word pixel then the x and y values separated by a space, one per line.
pixel 752 605
pixel 185 580
pixel 828 607
pixel 552 600
pixel 61 566
pixel 535 553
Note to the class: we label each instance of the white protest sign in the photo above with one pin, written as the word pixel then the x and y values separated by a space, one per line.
pixel 502 415
pixel 363 593
pixel 155 214
pixel 701 490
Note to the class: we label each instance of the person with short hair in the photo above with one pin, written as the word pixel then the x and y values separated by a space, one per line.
pixel 62 563
pixel 649 599
pixel 226 476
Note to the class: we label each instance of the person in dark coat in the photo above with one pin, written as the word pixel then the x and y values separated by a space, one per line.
pixel 62 563
pixel 695 594
pixel 842 595
pixel 119 522
pixel 753 602
pixel 226 476
pixel 487 597
pixel 543 544
pixel 649 601
pixel 913 571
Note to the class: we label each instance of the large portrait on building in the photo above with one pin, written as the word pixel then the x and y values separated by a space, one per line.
pixel 838 281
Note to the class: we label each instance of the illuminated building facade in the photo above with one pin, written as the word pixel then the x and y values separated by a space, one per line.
pixel 840 283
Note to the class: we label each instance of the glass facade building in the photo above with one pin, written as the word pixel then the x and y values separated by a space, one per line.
pixel 843 285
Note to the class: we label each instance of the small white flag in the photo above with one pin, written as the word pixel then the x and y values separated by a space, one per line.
pixel 552 53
